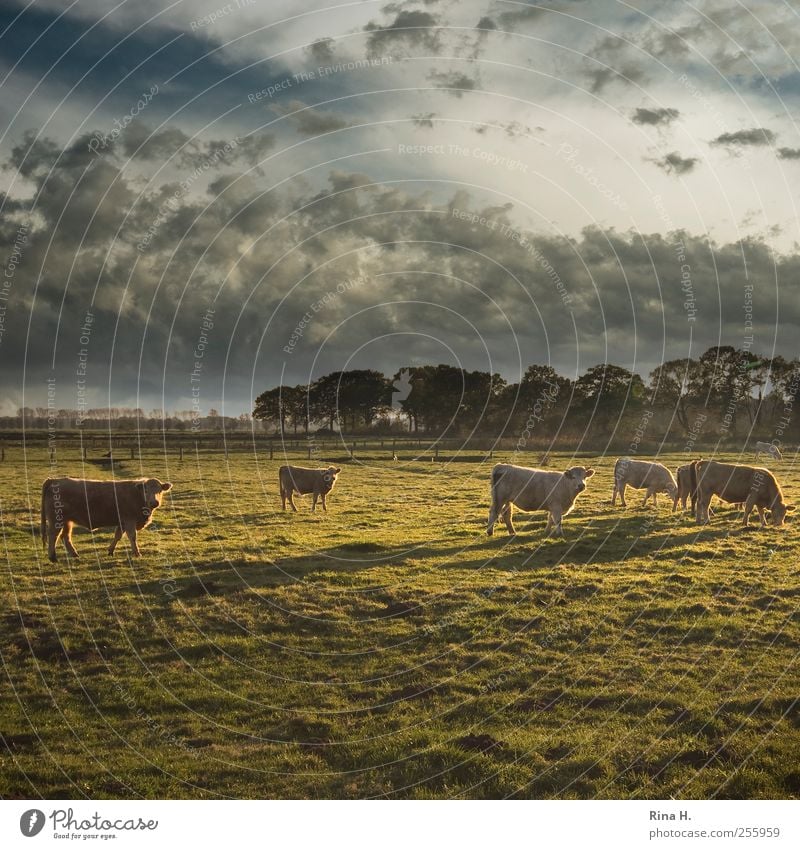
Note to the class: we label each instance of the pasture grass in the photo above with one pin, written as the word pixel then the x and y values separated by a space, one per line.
pixel 390 648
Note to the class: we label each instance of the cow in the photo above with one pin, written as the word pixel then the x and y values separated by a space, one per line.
pixel 768 448
pixel 642 474
pixel 683 478
pixel 318 482
pixel 752 485
pixel 127 506
pixel 535 489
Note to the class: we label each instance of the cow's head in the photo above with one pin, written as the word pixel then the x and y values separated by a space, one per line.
pixel 778 513
pixel 672 489
pixel 330 477
pixel 577 476
pixel 151 492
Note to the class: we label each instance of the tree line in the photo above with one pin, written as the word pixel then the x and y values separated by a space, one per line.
pixel 723 393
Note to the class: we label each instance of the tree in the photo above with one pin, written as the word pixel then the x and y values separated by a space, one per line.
pixel 322 398
pixel 606 391
pixel 270 407
pixel 678 385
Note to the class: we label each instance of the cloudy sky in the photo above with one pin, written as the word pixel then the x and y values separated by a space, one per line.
pixel 205 199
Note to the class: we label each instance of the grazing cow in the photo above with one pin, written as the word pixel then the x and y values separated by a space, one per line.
pixel 126 506
pixel 318 482
pixel 754 486
pixel 768 448
pixel 643 474
pixel 535 489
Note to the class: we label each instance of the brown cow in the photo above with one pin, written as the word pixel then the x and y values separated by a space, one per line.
pixel 683 477
pixel 126 506
pixel 318 482
pixel 754 486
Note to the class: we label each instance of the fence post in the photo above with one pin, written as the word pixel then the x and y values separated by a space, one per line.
pixel 182 452
pixel 84 453
pixel 270 451
pixel 353 450
pixel 309 451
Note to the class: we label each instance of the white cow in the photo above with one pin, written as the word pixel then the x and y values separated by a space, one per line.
pixel 535 489
pixel 642 474
pixel 768 448
pixel 317 482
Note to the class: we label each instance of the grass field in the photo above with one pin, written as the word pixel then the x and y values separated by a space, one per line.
pixel 389 648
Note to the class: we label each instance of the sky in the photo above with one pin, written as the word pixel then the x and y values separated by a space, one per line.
pixel 202 200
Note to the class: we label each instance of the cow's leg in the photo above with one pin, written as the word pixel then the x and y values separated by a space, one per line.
pixel 68 540
pixel 283 498
pixel 748 509
pixel 555 518
pixel 701 510
pixel 53 533
pixel 314 503
pixel 291 500
pixel 655 499
pixel 614 494
pixel 622 495
pixel 324 506
pixel 647 494
pixel 130 530
pixel 492 519
pixel 117 538
pixel 505 515
pixel 761 515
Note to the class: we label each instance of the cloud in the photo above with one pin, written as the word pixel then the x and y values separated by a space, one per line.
pixel 246 253
pixel 486 23
pixel 755 137
pixel 410 30
pixel 322 50
pixel 674 163
pixel 309 121
pixel 789 153
pixel 424 120
pixel 654 117
pixel 455 82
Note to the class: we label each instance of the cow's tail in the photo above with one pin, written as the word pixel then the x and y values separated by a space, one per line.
pixel 496 475
pixel 693 484
pixel 494 511
pixel 45 496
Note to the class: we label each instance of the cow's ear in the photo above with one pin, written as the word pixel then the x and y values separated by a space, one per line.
pixel 568 474
pixel 166 487
pixel 588 473
pixel 791 509
pixel 336 471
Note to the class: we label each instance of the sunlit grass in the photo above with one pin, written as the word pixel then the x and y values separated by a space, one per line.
pixel 390 647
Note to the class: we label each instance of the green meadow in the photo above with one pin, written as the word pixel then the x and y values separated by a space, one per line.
pixel 389 648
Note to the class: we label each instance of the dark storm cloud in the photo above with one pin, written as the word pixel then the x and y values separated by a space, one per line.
pixel 410 30
pixel 394 261
pixel 455 82
pixel 654 117
pixel 486 23
pixel 424 120
pixel 674 163
pixel 309 121
pixel 322 50
pixel 755 137
pixel 789 153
